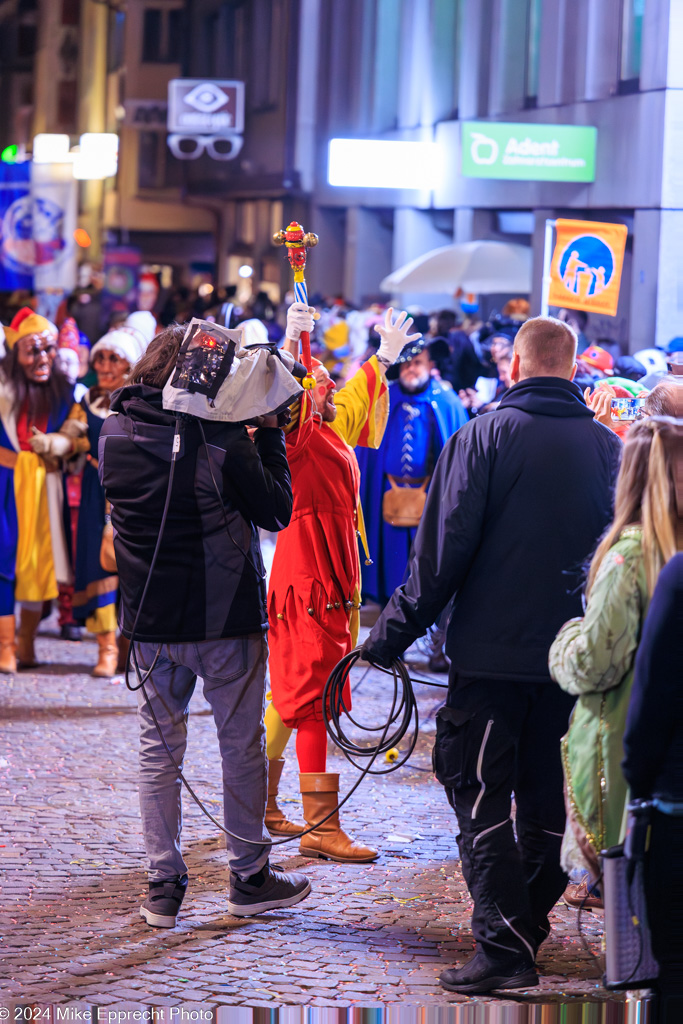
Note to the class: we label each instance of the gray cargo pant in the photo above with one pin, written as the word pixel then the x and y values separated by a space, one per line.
pixel 233 671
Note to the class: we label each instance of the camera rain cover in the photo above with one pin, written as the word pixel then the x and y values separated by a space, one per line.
pixel 217 378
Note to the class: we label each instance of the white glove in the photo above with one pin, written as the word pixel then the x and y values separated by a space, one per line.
pixel 394 336
pixel 56 445
pixel 299 318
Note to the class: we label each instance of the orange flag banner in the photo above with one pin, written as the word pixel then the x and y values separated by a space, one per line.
pixel 586 268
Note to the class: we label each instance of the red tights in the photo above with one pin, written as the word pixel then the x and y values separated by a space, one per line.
pixel 311 745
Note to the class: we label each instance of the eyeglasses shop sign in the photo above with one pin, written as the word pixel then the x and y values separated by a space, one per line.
pixel 528 152
pixel 205 106
pixel 207 114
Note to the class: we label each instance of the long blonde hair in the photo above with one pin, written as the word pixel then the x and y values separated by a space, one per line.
pixel 646 495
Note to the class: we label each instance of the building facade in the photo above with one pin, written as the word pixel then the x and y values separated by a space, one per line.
pixel 415 69
pixel 314 70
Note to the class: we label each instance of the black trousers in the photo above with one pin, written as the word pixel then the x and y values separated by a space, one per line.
pixel 495 739
pixel 664 893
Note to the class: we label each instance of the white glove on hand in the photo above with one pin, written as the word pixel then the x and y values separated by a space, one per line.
pixel 56 445
pixel 299 318
pixel 394 336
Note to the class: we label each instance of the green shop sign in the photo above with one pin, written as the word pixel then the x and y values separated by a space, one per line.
pixel 528 152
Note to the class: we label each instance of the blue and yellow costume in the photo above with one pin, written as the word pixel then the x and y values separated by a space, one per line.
pixel 27 560
pixel 95 589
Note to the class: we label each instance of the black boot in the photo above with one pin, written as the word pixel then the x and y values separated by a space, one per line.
pixel 483 975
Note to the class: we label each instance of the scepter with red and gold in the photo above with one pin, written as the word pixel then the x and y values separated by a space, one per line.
pixel 297 242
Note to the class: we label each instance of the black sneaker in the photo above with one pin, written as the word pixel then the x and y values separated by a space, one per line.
pixel 483 975
pixel 268 890
pixel 161 907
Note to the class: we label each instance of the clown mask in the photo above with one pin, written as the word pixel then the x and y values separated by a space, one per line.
pixel 36 355
pixel 111 369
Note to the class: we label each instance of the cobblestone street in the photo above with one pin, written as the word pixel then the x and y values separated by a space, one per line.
pixel 73 871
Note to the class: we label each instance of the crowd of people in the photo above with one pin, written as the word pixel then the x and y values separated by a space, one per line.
pixel 505 470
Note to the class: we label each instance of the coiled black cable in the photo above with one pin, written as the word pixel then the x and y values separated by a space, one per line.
pixel 403 715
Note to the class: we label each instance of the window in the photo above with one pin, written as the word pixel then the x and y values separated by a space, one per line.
pixel 210 41
pixel 157 167
pixel 445 57
pixel 151 37
pixel 387 59
pixel 117 21
pixel 533 39
pixel 174 41
pixel 67 97
pixel 229 48
pixel 148 156
pixel 71 12
pixel 27 40
pixel 631 39
pixel 269 43
pixel 162 36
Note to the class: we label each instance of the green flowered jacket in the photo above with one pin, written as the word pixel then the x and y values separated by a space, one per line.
pixel 593 658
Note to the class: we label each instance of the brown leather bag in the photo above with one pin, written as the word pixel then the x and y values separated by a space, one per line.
pixel 403 506
pixel 107 553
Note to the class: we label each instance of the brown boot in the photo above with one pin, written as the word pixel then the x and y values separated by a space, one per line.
pixel 28 625
pixel 8 644
pixel 124 644
pixel 108 655
pixel 320 793
pixel 276 823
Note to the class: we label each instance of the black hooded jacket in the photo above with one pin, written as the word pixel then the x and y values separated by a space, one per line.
pixel 209 580
pixel 653 741
pixel 516 505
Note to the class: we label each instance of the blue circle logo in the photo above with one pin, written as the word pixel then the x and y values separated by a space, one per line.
pixel 586 266
pixel 32 234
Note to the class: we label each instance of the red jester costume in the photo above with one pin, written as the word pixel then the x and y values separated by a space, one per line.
pixel 314 592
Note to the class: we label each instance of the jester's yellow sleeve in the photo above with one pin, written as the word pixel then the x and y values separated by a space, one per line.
pixel 363 407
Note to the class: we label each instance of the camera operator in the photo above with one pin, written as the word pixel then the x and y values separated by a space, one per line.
pixel 204 614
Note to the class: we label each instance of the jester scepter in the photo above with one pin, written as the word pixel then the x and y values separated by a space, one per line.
pixel 297 242
pixel 314 592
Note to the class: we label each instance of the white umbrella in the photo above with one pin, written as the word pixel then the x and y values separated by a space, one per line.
pixel 484 268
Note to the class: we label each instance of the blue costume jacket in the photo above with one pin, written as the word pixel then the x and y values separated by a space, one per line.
pixel 418 428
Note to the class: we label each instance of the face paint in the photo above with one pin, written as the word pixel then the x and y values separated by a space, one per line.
pixel 323 394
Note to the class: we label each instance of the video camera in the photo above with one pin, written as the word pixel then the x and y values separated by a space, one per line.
pixel 217 378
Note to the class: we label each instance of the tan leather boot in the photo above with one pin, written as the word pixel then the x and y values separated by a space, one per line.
pixel 276 823
pixel 124 644
pixel 108 655
pixel 28 626
pixel 320 793
pixel 8 644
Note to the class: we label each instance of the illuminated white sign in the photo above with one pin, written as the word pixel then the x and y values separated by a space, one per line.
pixel 97 157
pixel 378 163
pixel 51 149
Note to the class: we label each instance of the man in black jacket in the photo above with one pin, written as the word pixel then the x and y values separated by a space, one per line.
pixel 203 614
pixel 517 503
